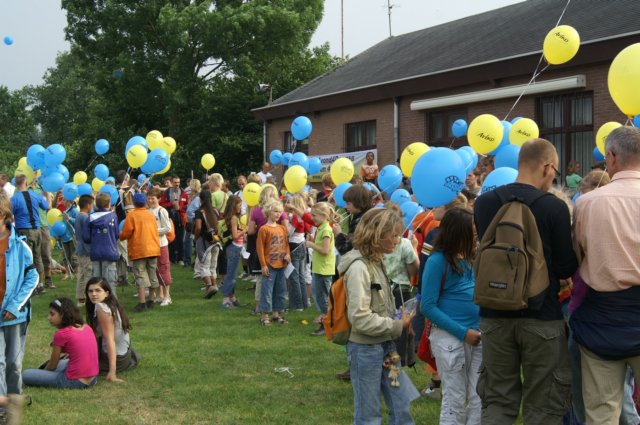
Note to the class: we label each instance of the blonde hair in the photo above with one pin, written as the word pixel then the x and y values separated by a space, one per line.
pixel 560 194
pixel 375 225
pixel 325 209
pixel 195 185
pixel 6 211
pixel 215 181
pixel 594 180
pixel 268 193
pixel 271 207
pixel 254 178
pixel 298 201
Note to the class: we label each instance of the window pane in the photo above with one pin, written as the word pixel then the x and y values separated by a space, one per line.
pixel 360 135
pixel 582 149
pixel 440 126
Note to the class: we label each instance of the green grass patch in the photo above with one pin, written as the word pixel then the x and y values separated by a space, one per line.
pixel 203 364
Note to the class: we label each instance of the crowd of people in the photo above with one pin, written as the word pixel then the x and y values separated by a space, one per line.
pixel 488 362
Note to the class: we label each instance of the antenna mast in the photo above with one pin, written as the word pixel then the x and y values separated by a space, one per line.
pixel 389 7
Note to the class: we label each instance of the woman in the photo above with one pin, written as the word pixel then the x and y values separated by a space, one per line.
pixel 208 246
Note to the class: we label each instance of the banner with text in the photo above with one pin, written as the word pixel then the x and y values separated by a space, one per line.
pixel 358 158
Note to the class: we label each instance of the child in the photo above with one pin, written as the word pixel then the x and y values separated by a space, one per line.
pixel 163 270
pixel 83 249
pixel 274 255
pixel 205 232
pixel 67 240
pixel 455 340
pixel 232 214
pixel 101 232
pixel 301 222
pixel 111 326
pixel 371 310
pixel 369 170
pixel 323 265
pixel 74 338
pixel 141 232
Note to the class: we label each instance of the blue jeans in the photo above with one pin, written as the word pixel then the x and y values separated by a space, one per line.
pixel 370 380
pixel 297 281
pixel 54 378
pixel 272 295
pixel 320 285
pixel 12 340
pixel 233 259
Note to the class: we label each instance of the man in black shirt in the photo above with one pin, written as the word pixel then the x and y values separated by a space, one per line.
pixel 528 343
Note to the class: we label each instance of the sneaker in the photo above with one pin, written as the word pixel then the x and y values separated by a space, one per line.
pixel 197 276
pixel 181 263
pixel 140 307
pixel 228 304
pixel 318 332
pixel 39 290
pixel 48 283
pixel 236 303
pixel 432 393
pixel 14 408
pixel 344 376
pixel 150 304
pixel 165 302
pixel 211 291
pixel 244 275
pixel 157 300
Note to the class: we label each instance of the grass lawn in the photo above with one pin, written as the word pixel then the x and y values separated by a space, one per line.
pixel 203 364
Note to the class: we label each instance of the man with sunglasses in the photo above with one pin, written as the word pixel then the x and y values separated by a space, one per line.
pixel 525 355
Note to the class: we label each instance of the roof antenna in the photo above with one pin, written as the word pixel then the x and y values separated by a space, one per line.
pixel 389 7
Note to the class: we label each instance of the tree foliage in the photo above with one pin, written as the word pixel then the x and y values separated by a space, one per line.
pixel 17 128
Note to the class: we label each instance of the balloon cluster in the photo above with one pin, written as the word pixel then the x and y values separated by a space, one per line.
pixel 152 155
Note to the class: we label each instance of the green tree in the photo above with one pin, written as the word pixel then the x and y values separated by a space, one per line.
pixel 17 128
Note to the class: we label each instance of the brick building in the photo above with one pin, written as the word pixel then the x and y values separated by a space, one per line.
pixel 412 87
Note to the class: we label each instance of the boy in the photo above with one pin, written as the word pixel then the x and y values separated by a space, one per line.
pixel 83 249
pixel 141 232
pixel 101 232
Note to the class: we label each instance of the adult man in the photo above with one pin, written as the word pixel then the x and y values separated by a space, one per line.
pixel 45 236
pixel 175 201
pixel 24 206
pixel 265 174
pixel 7 187
pixel 242 182
pixel 529 342
pixel 607 323
pixel 126 190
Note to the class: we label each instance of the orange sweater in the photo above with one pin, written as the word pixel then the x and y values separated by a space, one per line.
pixel 273 245
pixel 141 230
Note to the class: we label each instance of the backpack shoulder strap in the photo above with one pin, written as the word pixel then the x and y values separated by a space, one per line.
pixel 27 201
pixel 443 280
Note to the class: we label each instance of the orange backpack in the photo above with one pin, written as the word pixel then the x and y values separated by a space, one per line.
pixel 336 323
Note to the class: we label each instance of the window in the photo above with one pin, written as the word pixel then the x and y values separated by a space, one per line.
pixel 360 136
pixel 567 122
pixel 440 123
pixel 290 145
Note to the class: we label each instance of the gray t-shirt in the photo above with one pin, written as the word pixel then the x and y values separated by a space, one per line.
pixel 122 339
pixel 82 248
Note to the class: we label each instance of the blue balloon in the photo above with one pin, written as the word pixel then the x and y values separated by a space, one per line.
pixel 466 158
pixel 112 191
pixel 498 177
pixel 53 182
pixel 438 177
pixel 35 156
pixel 400 196
pixel 299 158
pixel 85 189
pixel 8 40
pixel 507 156
pixel 315 165
pixel 301 128
pixel 136 140
pixel 102 146
pixel 58 229
pixel 45 171
pixel 409 212
pixel 636 121
pixel 371 187
pixel 459 128
pixel 275 157
pixel 597 155
pixel 390 178
pixel 515 120
pixel 54 155
pixel 141 178
pixel 111 179
pixel 338 194
pixel 62 169
pixel 286 157
pixel 121 225
pixel 70 191
pixel 156 161
pixel 101 171
pixel 506 129
pixel 474 155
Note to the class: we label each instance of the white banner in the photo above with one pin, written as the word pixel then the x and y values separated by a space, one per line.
pixel 358 158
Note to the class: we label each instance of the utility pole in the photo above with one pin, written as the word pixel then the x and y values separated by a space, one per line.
pixel 342 29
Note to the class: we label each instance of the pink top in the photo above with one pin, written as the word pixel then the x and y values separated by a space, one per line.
pixel 81 345
pixel 258 216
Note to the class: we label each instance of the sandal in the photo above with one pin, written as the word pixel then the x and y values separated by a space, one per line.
pixel 279 319
pixel 211 291
pixel 265 321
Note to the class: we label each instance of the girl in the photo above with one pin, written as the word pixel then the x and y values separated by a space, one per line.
pixel 111 326
pixel 74 338
pixel 164 263
pixel 359 201
pixel 447 300
pixel 232 214
pixel 301 223
pixel 573 178
pixel 274 255
pixel 371 310
pixel 323 265
pixel 205 232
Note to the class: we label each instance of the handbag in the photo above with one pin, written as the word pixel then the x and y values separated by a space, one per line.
pixel 424 347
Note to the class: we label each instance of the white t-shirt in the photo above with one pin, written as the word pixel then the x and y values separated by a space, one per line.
pixel 164 224
pixel 9 189
pixel 122 339
pixel 264 177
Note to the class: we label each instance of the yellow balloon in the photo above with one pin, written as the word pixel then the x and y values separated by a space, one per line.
pixel 243 221
pixel 79 178
pixel 410 155
pixel 52 241
pixel 624 80
pixel 603 132
pixel 341 171
pixel 561 44
pixel 154 139
pixel 96 184
pixel 251 194
pixel 136 156
pixel 208 161
pixel 54 215
pixel 522 130
pixel 165 169
pixel 22 161
pixel 295 178
pixel 485 133
pixel 168 144
pixel 26 171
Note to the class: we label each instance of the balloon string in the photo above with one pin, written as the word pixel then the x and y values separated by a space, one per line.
pixel 532 80
pixel 92 161
pixel 562 14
